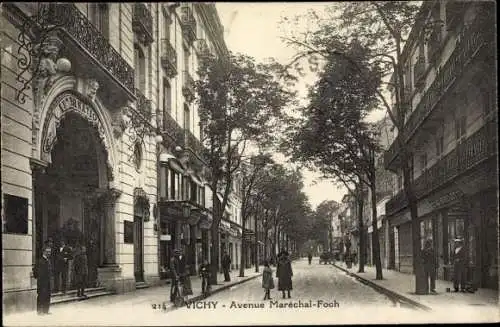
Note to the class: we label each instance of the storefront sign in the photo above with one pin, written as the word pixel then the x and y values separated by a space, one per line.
pixel 446 199
pixel 165 237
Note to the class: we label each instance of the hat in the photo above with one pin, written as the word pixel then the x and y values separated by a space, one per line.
pixel 177 252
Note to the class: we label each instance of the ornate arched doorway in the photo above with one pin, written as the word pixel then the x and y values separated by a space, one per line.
pixel 72 197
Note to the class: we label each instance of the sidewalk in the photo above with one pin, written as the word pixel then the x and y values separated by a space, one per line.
pixel 402 286
pixel 152 299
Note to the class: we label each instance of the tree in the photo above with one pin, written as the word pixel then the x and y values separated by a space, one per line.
pixel 322 221
pixel 339 103
pixel 252 175
pixel 382 28
pixel 239 102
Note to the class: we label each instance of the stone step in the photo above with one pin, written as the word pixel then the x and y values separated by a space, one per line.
pixel 71 296
pixel 141 285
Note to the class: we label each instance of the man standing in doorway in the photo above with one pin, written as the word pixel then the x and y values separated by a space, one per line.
pixel 226 264
pixel 459 260
pixel 43 273
pixel 63 255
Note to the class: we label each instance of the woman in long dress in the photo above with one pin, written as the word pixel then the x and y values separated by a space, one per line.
pixel 284 273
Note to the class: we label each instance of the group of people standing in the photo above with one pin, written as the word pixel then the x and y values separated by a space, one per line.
pixel 459 262
pixel 53 268
pixel 284 274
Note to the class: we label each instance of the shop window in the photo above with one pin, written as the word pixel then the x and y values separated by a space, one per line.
pixel 16 214
pixel 128 232
pixel 425 231
pixel 455 230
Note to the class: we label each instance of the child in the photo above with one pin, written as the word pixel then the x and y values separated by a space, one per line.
pixel 267 280
pixel 204 274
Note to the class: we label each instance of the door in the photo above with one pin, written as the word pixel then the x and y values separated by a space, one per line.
pixel 138 250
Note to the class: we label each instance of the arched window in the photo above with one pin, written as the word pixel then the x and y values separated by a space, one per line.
pixel 99 15
pixel 140 68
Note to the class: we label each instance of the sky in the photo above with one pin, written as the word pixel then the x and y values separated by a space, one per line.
pixel 253 29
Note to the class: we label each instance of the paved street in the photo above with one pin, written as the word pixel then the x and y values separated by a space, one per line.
pixel 334 298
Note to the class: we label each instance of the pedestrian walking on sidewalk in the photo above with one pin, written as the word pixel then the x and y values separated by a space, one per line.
pixel 63 256
pixel 43 273
pixel 267 280
pixel 309 257
pixel 429 260
pixel 284 273
pixel 81 270
pixel 459 259
pixel 226 264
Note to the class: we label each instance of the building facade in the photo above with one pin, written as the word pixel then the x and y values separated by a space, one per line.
pixel 79 160
pixel 451 129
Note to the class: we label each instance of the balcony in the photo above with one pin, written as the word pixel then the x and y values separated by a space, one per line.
pixel 188 24
pixel 142 23
pixel 193 143
pixel 168 58
pixel 173 130
pixel 466 155
pixel 144 105
pixel 91 50
pixel 467 47
pixel 188 87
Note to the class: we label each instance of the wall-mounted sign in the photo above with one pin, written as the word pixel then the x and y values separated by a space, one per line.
pixel 165 237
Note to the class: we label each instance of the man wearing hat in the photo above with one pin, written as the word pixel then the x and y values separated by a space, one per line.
pixel 178 270
pixel 459 257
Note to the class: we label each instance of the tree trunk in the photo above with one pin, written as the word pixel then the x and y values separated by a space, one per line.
pixel 256 250
pixel 361 254
pixel 214 253
pixel 375 238
pixel 266 243
pixel 243 252
pixel 418 269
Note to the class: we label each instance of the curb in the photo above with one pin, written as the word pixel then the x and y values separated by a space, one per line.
pixel 220 289
pixel 391 294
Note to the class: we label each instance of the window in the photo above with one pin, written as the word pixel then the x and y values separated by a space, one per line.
pixel 167 97
pixel 140 68
pixel 187 118
pixel 194 191
pixel 439 145
pixel 175 185
pixel 460 126
pixel 423 161
pixel 455 230
pixel 425 231
pixel 128 232
pixel 99 15
pixel 186 59
pixel 16 214
pixel 167 27
pixel 137 156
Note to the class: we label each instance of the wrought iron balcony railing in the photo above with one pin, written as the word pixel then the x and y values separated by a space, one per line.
pixel 188 87
pixel 188 23
pixel 468 45
pixel 144 105
pixel 193 143
pixel 169 58
pixel 142 23
pixel 75 24
pixel 172 129
pixel 466 155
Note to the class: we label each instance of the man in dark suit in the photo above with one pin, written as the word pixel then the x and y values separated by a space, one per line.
pixel 429 260
pixel 43 273
pixel 178 271
pixel 226 264
pixel 63 255
pixel 459 258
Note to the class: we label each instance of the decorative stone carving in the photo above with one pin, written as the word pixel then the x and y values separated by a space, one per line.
pixel 91 88
pixel 45 68
pixel 119 121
